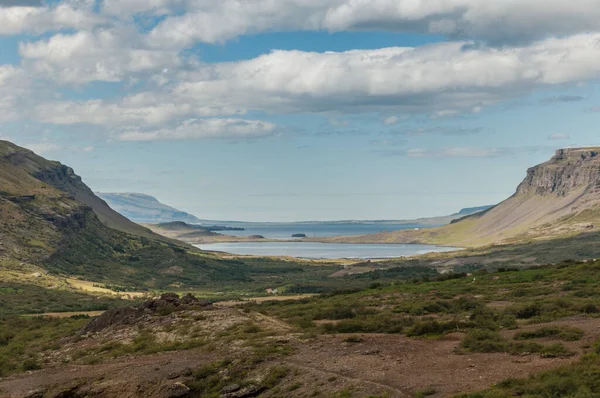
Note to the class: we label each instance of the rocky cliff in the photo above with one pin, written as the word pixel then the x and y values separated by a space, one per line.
pixel 560 197
pixel 567 171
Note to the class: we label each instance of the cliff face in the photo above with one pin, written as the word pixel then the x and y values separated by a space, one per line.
pixel 560 197
pixel 568 170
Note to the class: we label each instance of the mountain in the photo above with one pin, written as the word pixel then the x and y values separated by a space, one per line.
pixel 443 220
pixel 472 210
pixel 143 208
pixel 50 219
pixel 557 198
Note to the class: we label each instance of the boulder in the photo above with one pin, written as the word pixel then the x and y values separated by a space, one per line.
pixel 176 390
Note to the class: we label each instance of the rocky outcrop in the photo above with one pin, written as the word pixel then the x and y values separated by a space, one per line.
pixel 167 303
pixel 568 170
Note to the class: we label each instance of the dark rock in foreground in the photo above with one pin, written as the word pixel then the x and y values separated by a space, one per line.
pixel 130 315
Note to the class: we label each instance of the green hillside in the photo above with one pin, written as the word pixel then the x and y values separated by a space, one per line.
pixel 53 224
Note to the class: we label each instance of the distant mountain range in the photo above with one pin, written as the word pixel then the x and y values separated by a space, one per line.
pixel 143 208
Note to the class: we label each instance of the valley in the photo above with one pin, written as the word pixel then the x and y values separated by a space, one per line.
pixel 138 310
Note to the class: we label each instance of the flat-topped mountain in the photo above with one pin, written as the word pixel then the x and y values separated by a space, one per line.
pixel 142 208
pixel 567 172
pixel 556 198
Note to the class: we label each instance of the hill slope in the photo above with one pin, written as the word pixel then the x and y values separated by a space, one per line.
pixel 143 208
pixel 49 218
pixel 560 197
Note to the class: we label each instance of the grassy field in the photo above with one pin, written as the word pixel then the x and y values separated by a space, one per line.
pixel 510 311
pixel 481 303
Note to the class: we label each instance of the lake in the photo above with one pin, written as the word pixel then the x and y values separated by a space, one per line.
pixel 316 250
pixel 318 230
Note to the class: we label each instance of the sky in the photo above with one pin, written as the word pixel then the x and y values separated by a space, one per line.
pixel 292 110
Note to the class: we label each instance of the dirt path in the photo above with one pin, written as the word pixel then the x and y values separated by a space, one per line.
pixel 375 387
pixel 66 314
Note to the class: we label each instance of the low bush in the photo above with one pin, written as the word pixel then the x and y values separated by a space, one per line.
pixel 562 333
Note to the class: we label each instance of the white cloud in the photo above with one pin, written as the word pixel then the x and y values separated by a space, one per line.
pixel 558 136
pixel 147 108
pixel 497 21
pixel 204 128
pixel 43 147
pixel 443 79
pixel 47 147
pixel 66 15
pixel 389 121
pixel 109 55
pixel 127 8
pixel 14 87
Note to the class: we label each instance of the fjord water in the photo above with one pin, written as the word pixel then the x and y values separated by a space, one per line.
pixel 316 250
pixel 314 229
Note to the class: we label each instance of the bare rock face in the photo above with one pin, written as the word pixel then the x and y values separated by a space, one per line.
pixel 567 171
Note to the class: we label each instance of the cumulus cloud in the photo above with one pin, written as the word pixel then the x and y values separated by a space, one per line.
pixel 204 128
pixel 109 55
pixel 133 7
pixel 442 79
pixel 32 19
pixel 497 22
pixel 14 89
pixel 146 108
pixel 20 3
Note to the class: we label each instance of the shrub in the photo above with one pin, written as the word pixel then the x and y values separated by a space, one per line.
pixel 482 340
pixel 562 333
pixel 434 327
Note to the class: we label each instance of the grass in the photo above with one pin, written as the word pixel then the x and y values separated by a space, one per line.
pixel 559 332
pixel 425 392
pixel 24 340
pixel 210 380
pixel 437 305
pixel 486 341
pixel 18 299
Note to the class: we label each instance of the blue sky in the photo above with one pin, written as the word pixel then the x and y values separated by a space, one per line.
pixel 298 109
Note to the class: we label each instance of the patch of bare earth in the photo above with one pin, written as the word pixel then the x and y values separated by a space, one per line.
pixel 377 364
